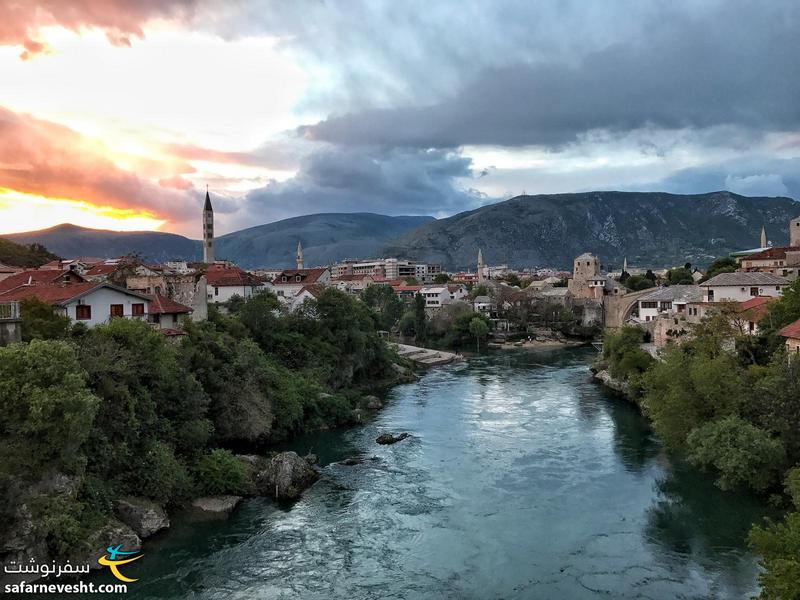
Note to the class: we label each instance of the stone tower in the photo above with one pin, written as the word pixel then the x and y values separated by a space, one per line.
pixel 208 231
pixel 794 232
pixel 300 261
pixel 625 265
pixel 763 237
pixel 480 266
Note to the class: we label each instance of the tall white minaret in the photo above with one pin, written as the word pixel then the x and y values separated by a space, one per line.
pixel 208 231
pixel 763 237
pixel 480 266
pixel 625 265
pixel 300 261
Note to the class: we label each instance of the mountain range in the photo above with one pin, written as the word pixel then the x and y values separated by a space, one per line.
pixel 648 228
pixel 325 237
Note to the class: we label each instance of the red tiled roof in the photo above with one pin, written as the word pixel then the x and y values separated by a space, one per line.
pixel 755 308
pixel 307 276
pixel 50 293
pixel 162 305
pixel 101 269
pixel 4 268
pixel 778 252
pixel 407 288
pixel 314 290
pixel 223 275
pixel 792 330
pixel 354 277
pixel 37 277
pixel 172 332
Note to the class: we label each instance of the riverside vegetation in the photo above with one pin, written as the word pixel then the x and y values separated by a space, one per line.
pixel 730 404
pixel 90 416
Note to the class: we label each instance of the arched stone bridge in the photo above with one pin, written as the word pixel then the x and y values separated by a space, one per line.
pixel 617 309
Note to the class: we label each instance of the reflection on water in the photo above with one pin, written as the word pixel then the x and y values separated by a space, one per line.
pixel 523 479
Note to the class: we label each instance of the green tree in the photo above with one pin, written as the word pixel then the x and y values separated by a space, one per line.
pixel 385 304
pixel 693 384
pixel 441 279
pixel 220 472
pixel 742 454
pixel 784 310
pixel 420 319
pixel 40 321
pixel 46 408
pixel 778 543
pixel 479 329
pixel 411 281
pixel 726 264
pixel 622 349
pixel 638 282
pixel 680 276
pixel 513 280
pixel 22 255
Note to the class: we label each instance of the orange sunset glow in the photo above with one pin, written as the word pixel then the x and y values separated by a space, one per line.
pixel 24 212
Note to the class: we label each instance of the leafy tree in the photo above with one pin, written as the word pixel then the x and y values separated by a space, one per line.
pixel 778 406
pixel 158 474
pixel 411 281
pixel 220 472
pixel 726 264
pixel 784 310
pixel 742 454
pixel 479 290
pixel 479 329
pixel 441 279
pixel 40 321
pixel 778 543
pixel 22 255
pixel 385 305
pixel 420 319
pixel 622 349
pixel 407 323
pixel 638 282
pixel 46 408
pixel 680 276
pixel 512 279
pixel 694 384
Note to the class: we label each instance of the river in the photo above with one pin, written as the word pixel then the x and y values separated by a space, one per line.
pixel 524 479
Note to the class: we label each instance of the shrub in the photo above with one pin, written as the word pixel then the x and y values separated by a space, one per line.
pixel 219 472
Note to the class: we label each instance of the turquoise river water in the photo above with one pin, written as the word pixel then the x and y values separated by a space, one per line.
pixel 523 479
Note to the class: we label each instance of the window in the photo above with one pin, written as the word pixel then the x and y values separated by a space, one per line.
pixel 666 305
pixel 216 291
pixel 649 304
pixel 710 295
pixel 137 310
pixel 154 318
pixel 117 310
pixel 83 312
pixel 754 291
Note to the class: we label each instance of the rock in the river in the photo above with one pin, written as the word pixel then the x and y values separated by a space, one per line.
pixel 404 374
pixel 390 438
pixel 372 402
pixel 217 504
pixel 113 533
pixel 141 515
pixel 286 476
pixel 615 384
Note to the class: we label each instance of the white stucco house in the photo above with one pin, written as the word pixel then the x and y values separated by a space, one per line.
pixel 85 302
pixel 669 301
pixel 224 282
pixel 291 281
pixel 741 286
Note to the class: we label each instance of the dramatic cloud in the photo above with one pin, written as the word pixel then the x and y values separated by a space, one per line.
pixel 22 21
pixel 731 67
pixel 47 159
pixel 390 182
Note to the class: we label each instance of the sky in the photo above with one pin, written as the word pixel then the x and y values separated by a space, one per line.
pixel 119 114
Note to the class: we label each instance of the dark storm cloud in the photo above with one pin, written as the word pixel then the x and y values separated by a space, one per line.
pixel 749 176
pixel 391 182
pixel 735 66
